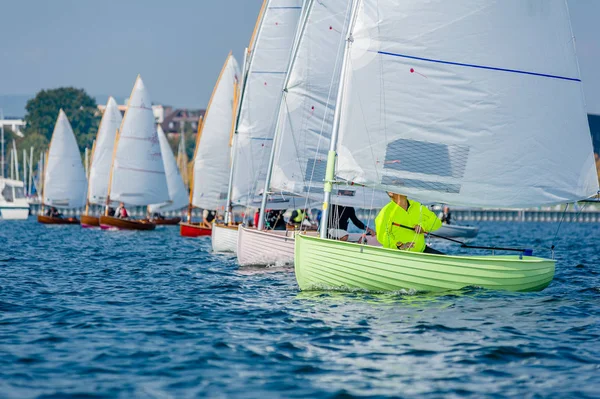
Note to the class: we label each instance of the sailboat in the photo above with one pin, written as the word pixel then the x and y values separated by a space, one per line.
pixel 275 36
pixel 102 153
pixel 208 183
pixel 178 195
pixel 471 103
pixel 137 175
pixel 65 184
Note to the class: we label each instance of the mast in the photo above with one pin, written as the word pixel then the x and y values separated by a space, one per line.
pixel 24 170
pixel 30 181
pixel 45 159
pixel 299 34
pixel 330 171
pixel 15 159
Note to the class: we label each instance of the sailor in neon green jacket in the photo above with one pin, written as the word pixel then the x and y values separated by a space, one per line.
pixel 401 211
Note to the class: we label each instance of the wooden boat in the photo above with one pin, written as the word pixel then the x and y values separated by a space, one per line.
pixel 166 221
pixel 137 174
pixel 193 230
pixel 90 221
pixel 52 220
pixel 109 222
pixel 329 264
pixel 224 238
pixel 436 118
pixel 64 183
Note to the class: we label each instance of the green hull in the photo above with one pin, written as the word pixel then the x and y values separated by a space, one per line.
pixel 328 264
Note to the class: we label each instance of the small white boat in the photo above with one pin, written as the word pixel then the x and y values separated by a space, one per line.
pixel 13 204
pixel 457 231
pixel 272 247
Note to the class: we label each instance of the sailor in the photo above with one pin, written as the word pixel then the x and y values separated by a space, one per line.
pixel 121 212
pixel 417 218
pixel 274 219
pixel 53 212
pixel 207 218
pixel 446 215
pixel 298 216
pixel 339 218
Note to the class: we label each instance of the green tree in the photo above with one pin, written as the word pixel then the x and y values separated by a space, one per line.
pixel 80 108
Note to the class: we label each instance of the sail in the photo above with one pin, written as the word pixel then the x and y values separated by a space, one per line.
pixel 65 185
pixel 212 157
pixel 103 153
pixel 475 103
pixel 307 109
pixel 261 98
pixel 138 172
pixel 177 192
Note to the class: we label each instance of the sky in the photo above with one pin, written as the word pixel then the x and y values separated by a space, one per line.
pixel 178 46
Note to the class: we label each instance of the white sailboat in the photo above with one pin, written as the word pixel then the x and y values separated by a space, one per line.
pixel 212 160
pixel 178 194
pixel 101 162
pixel 65 184
pixel 137 175
pixel 472 102
pixel 13 202
pixel 275 38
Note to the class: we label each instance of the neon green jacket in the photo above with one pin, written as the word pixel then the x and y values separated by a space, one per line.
pixel 388 235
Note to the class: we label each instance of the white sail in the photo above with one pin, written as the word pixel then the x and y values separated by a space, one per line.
pixel 475 103
pixel 103 153
pixel 178 194
pixel 213 153
pixel 138 173
pixel 308 106
pixel 261 98
pixel 65 185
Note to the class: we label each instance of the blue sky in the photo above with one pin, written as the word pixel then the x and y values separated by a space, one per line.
pixel 178 46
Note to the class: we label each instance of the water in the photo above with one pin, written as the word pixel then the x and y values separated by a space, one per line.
pixel 92 314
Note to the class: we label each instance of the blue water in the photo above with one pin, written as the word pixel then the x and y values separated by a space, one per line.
pixel 92 314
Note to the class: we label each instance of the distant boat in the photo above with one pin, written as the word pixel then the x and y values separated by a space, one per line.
pixel 208 183
pixel 65 184
pixel 102 154
pixel 137 175
pixel 178 195
pixel 13 203
pixel 470 103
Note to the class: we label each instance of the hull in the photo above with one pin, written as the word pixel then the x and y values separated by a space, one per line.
pixel 166 221
pixel 50 220
pixel 224 238
pixel 455 231
pixel 193 230
pixel 14 213
pixel 329 264
pixel 90 221
pixel 109 222
pixel 264 247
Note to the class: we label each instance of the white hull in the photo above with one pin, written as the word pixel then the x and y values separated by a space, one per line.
pixel 224 239
pixel 273 247
pixel 14 212
pixel 454 231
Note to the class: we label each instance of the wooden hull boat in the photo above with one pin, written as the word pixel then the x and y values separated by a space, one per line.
pixel 52 220
pixel 166 221
pixel 109 222
pixel 224 238
pixel 193 230
pixel 337 265
pixel 90 221
pixel 456 231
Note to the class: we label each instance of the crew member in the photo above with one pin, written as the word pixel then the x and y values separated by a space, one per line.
pixel 417 219
pixel 339 218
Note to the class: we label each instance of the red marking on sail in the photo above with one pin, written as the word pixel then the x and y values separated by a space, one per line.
pixel 412 70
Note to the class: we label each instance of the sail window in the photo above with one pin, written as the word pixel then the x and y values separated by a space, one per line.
pixel 315 170
pixel 421 184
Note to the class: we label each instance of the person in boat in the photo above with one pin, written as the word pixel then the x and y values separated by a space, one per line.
pixel 207 218
pixel 339 219
pixel 121 211
pixel 157 216
pixel 446 215
pixel 417 219
pixel 298 217
pixel 274 219
pixel 53 213
pixel 111 211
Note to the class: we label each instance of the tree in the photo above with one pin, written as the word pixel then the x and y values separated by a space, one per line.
pixel 80 108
